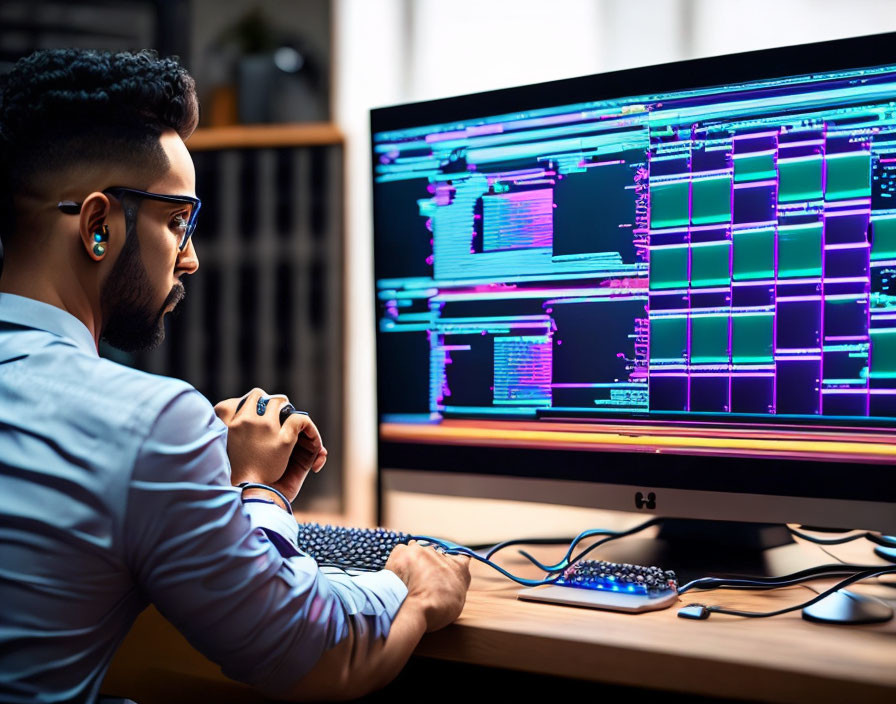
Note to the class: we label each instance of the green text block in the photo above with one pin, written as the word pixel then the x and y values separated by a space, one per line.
pixel 883 238
pixel 668 339
pixel 883 353
pixel 800 179
pixel 709 338
pixel 711 200
pixel 754 255
pixel 752 337
pixel 848 176
pixel 669 204
pixel 710 265
pixel 760 167
pixel 799 251
pixel 668 267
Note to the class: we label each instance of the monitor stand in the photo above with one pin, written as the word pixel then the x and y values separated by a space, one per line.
pixel 696 548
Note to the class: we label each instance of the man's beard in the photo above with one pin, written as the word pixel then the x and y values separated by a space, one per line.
pixel 132 322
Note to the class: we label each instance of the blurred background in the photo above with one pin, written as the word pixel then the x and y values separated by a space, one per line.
pixel 283 297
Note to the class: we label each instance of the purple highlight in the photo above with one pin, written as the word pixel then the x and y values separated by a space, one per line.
pixel 690 328
pixel 868 329
pixel 475 131
pixel 808 143
pixel 592 164
pixel 731 273
pixel 755 184
pixel 520 175
pixel 824 228
pixel 847 245
pixel 842 213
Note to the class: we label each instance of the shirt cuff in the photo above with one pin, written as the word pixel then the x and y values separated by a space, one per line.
pixel 280 526
pixel 387 586
pixel 376 595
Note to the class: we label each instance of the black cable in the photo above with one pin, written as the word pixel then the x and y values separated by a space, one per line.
pixel 493 548
pixel 701 611
pixel 873 537
pixel 622 534
pixel 745 582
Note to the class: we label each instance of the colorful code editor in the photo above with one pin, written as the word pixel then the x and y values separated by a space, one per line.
pixel 725 252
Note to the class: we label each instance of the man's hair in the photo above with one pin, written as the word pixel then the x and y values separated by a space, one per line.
pixel 61 109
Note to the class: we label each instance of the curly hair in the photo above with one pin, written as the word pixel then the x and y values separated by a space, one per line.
pixel 63 108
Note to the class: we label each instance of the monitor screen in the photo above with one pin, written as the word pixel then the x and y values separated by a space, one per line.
pixel 695 260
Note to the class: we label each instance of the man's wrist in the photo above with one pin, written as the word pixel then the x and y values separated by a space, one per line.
pixel 414 613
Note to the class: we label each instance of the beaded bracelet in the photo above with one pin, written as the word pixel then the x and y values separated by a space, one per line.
pixel 252 485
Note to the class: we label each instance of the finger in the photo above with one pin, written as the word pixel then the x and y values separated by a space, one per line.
pixel 310 461
pixel 297 426
pixel 319 461
pixel 301 460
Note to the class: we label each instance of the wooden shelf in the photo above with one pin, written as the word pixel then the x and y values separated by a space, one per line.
pixel 305 134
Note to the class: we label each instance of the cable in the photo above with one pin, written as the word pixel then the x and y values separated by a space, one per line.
pixel 873 537
pixel 554 572
pixel 564 563
pixel 492 549
pixel 451 548
pixel 622 534
pixel 701 611
pixel 708 583
pixel 612 535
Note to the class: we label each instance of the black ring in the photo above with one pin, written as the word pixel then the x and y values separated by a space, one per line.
pixel 289 410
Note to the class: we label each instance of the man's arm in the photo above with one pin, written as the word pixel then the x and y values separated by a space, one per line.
pixel 437 586
pixel 268 621
pixel 357 665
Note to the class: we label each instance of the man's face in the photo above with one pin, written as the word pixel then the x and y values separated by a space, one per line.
pixel 144 284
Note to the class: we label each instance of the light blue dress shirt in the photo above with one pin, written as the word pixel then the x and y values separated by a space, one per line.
pixel 115 493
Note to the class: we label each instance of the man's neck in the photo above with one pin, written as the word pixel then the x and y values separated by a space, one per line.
pixel 61 294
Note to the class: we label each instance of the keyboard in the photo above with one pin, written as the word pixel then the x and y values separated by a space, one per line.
pixel 611 586
pixel 349 548
pixel 618 577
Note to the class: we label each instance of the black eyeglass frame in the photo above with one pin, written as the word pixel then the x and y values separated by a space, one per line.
pixel 70 207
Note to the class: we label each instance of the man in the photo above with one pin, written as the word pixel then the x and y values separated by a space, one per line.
pixel 117 488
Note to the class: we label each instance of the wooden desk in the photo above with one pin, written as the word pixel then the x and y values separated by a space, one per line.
pixel 779 659
pixel 784 658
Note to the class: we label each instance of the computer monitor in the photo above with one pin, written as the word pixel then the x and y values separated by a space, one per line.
pixel 666 289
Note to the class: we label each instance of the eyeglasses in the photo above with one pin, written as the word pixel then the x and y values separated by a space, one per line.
pixel 70 207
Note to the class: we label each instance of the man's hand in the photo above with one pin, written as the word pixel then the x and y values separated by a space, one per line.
pixel 263 451
pixel 436 582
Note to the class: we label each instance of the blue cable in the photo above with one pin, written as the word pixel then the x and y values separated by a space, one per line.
pixel 452 548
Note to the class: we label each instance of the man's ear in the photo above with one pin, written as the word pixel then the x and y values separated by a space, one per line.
pixel 93 225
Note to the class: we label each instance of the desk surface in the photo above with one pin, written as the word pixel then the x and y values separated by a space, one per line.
pixel 784 658
pixel 779 659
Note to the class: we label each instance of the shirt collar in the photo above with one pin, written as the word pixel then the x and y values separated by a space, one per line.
pixel 30 313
